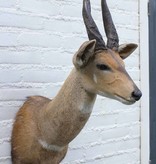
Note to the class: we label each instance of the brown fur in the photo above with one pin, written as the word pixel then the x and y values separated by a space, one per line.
pixel 57 122
pixel 24 133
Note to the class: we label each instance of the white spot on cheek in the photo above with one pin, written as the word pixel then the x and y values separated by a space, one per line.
pixel 95 78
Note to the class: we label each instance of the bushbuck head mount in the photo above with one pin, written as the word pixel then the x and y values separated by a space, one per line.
pixel 43 128
pixel 101 65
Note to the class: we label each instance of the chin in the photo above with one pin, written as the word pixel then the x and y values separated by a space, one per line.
pixel 124 101
pixel 128 102
pixel 118 98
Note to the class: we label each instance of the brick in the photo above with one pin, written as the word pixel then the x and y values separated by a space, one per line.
pixel 8 3
pixel 20 57
pixel 38 7
pixel 20 21
pixel 128 35
pixel 57 58
pixel 85 138
pixel 71 10
pixel 128 6
pixel 49 57
pixel 6 128
pixel 5 161
pixel 8 113
pixel 72 42
pixel 4 149
pixel 123 158
pixel 8 39
pixel 73 155
pixel 66 26
pixel 39 40
pixel 10 76
pixel 102 120
pixel 127 117
pixel 52 76
pixel 21 94
pixel 51 91
pixel 119 132
pixel 112 147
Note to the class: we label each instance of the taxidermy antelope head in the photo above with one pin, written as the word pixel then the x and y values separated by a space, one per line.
pixel 43 128
pixel 101 64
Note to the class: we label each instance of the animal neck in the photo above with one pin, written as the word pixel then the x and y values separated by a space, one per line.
pixel 68 112
pixel 73 96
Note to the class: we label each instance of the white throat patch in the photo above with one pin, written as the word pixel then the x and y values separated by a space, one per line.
pixel 86 108
pixel 46 146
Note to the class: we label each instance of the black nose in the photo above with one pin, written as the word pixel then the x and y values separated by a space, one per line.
pixel 136 95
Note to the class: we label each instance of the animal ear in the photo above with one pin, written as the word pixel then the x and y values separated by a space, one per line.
pixel 126 49
pixel 85 52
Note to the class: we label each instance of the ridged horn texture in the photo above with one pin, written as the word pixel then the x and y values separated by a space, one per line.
pixel 112 36
pixel 92 29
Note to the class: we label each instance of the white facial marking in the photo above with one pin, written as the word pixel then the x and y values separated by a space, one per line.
pixel 46 146
pixel 95 78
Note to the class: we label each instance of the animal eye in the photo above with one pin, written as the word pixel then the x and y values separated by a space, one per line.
pixel 103 67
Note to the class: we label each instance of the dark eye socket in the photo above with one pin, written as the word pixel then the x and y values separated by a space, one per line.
pixel 103 67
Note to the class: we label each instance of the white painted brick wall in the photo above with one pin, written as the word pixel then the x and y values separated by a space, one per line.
pixel 37 41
